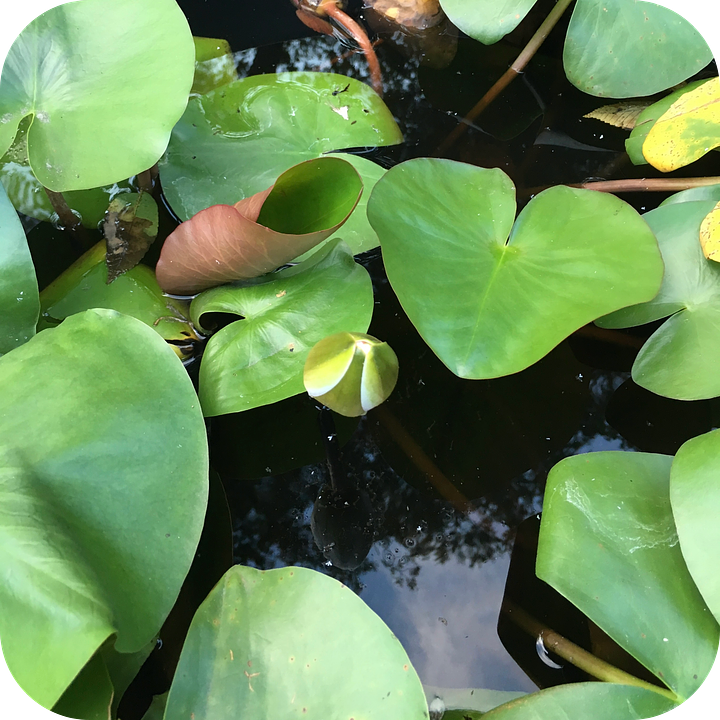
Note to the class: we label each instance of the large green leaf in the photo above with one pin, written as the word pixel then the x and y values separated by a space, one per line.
pixel 599 701
pixel 609 544
pixel 90 696
pixel 486 20
pixel 19 300
pixel 27 194
pixel 291 643
pixel 704 192
pixel 103 103
pixel 678 360
pixel 626 48
pixel 236 140
pixel 259 359
pixel 695 498
pixel 99 427
pixel 488 305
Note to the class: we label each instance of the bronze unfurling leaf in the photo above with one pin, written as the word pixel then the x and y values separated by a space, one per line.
pixel 130 227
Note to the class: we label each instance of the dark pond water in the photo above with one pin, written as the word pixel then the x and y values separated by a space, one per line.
pixel 448 470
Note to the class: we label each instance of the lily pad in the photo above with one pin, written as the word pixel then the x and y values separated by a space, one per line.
pixel 259 359
pixel 90 696
pixel 647 119
pixel 705 192
pixel 103 103
pixel 605 701
pixel 695 497
pixel 84 285
pixel 87 554
pixel 235 141
pixel 687 130
pixel 606 37
pixel 214 65
pixel 306 205
pixel 607 516
pixel 27 194
pixel 678 360
pixel 18 286
pixel 486 20
pixel 489 305
pixel 291 642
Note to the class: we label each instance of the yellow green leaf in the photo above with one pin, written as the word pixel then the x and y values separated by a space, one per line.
pixel 688 129
pixel 710 234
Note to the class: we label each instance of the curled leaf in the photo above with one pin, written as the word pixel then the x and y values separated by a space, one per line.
pixel 306 205
pixel 621 115
pixel 351 373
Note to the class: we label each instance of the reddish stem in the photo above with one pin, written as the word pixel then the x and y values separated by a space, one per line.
pixel 361 38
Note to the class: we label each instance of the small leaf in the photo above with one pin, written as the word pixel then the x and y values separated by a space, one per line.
pixel 621 115
pixel 710 234
pixel 130 228
pixel 306 205
pixel 687 130
pixel 351 373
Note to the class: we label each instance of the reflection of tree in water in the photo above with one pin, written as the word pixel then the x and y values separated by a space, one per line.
pixel 411 525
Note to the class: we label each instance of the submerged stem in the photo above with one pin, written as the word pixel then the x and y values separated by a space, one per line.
pixel 574 654
pixel 66 216
pixel 510 74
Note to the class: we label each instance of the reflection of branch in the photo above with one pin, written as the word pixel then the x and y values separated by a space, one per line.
pixel 510 74
pixel 574 654
pixel 421 460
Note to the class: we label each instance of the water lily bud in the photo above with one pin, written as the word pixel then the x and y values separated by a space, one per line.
pixel 351 373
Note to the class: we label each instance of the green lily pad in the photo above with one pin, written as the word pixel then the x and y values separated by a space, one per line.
pixel 607 37
pixel 486 20
pixel 695 497
pixel 678 360
pixel 100 425
pixel 84 285
pixel 27 194
pixel 235 141
pixel 488 305
pixel 103 103
pixel 601 701
pixel 18 285
pixel 259 359
pixel 706 192
pixel 214 65
pixel 608 543
pixel 90 696
pixel 291 643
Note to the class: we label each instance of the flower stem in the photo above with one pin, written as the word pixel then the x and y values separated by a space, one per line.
pixel 574 654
